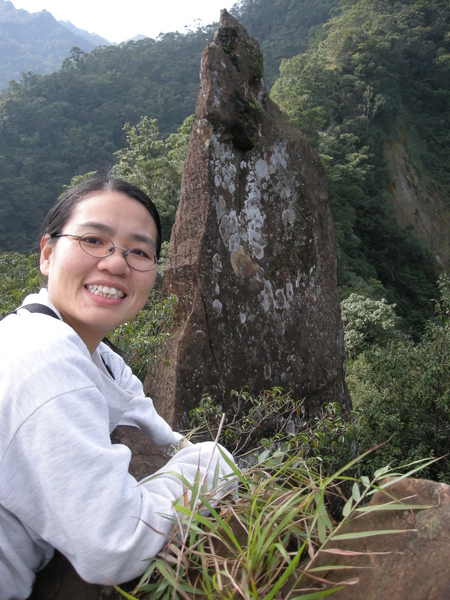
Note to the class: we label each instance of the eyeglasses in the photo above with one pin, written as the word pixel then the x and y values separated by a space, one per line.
pixel 99 246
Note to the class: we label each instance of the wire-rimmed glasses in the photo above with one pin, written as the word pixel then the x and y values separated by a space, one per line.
pixel 141 258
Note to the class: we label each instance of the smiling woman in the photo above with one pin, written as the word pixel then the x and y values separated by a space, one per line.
pixel 63 485
pixel 74 275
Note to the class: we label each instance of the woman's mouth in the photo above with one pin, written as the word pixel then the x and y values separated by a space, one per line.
pixel 106 292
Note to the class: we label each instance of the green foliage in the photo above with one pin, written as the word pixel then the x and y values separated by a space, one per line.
pixel 141 339
pixel 155 165
pixel 366 322
pixel 368 72
pixel 376 71
pixel 20 276
pixel 58 126
pixel 79 178
pixel 401 395
pixel 284 28
pixel 271 415
pixel 274 421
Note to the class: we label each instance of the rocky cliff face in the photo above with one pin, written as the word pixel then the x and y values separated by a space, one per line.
pixel 427 214
pixel 252 255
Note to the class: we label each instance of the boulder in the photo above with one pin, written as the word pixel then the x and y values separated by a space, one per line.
pixel 411 563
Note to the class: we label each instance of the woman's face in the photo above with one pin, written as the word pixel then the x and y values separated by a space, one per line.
pixel 73 275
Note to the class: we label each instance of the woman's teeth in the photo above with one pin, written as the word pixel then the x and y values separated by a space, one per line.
pixel 105 292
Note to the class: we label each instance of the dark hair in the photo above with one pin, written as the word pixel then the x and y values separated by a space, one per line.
pixel 62 210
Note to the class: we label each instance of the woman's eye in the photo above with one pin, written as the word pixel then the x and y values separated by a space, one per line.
pixel 93 240
pixel 140 252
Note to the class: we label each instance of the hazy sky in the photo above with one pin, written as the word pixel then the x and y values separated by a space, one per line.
pixel 120 20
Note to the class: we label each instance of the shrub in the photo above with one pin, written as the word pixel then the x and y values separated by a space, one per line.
pixel 20 276
pixel 274 421
pixel 401 395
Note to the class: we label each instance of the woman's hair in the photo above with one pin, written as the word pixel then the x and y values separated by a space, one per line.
pixel 62 210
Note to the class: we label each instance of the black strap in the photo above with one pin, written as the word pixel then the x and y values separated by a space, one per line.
pixel 45 310
pixel 39 308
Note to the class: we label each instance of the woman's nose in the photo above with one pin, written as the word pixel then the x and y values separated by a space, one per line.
pixel 115 262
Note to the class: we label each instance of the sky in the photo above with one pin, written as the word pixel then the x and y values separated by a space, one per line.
pixel 121 20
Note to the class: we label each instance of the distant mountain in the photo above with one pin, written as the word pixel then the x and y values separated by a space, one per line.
pixel 95 39
pixel 37 42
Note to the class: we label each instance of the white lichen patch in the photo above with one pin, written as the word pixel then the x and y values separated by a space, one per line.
pixel 278 301
pixel 266 298
pixel 281 302
pixel 217 307
pixel 242 215
pixel 223 165
pixel 246 226
pixel 288 217
pixel 217 264
pixel 289 291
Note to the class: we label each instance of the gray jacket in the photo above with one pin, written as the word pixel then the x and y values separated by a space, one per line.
pixel 62 483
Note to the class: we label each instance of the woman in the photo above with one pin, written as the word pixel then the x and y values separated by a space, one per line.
pixel 63 484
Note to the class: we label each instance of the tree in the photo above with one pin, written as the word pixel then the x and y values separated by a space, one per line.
pixel 155 165
pixel 366 322
pixel 371 73
pixel 401 396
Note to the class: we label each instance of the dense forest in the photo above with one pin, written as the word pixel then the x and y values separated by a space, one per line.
pixel 377 72
pixel 354 76
pixel 64 124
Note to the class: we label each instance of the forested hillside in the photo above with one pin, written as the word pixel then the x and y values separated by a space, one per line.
pixel 368 84
pixel 36 42
pixel 359 77
pixel 378 75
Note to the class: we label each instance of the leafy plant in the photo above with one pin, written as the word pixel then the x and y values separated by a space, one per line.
pixel 366 322
pixel 262 542
pixel 141 338
pixel 274 421
pixel 270 414
pixel 401 395
pixel 155 165
pixel 20 276
pixel 357 88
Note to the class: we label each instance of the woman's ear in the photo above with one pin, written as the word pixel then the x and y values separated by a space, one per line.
pixel 46 253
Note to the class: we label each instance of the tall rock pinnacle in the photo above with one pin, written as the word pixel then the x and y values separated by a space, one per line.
pixel 252 257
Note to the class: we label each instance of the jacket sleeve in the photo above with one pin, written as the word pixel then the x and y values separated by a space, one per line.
pixel 65 481
pixel 141 412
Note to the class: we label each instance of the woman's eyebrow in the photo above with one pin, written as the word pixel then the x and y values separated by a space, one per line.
pixel 145 239
pixel 95 225
pixel 107 230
